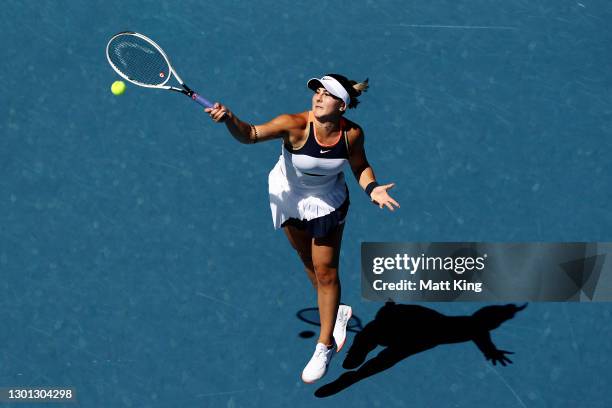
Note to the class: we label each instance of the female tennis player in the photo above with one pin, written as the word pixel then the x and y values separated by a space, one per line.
pixel 308 195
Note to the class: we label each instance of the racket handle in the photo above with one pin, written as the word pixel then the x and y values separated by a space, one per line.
pixel 201 100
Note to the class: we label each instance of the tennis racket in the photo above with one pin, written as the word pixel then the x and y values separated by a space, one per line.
pixel 139 60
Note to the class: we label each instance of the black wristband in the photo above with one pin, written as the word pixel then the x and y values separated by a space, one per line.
pixel 370 187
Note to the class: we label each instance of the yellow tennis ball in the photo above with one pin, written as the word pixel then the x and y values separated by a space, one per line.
pixel 118 87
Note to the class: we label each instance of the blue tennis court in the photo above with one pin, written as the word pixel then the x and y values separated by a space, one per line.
pixel 138 261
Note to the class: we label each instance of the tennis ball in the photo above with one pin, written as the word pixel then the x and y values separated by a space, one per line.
pixel 118 87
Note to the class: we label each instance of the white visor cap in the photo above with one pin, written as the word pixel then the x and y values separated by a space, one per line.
pixel 333 87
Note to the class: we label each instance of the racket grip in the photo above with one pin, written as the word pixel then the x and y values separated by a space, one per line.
pixel 201 100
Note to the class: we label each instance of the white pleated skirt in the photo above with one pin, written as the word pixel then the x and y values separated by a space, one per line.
pixel 292 199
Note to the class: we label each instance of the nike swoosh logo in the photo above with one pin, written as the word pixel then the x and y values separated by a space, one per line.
pixel 325 151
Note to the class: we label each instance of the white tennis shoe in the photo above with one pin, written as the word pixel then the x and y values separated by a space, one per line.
pixel 317 366
pixel 344 315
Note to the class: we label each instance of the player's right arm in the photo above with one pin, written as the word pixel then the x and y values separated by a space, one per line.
pixel 280 127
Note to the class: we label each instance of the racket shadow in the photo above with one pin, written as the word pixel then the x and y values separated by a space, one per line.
pixel 405 330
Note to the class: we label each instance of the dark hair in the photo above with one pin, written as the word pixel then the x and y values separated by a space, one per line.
pixel 354 88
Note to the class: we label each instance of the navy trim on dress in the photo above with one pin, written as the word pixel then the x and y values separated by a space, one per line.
pixel 321 227
pixel 313 149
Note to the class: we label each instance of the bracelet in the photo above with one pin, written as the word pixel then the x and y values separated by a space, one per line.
pixel 256 134
pixel 370 187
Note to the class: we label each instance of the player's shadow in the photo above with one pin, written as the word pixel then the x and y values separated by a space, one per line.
pixel 405 330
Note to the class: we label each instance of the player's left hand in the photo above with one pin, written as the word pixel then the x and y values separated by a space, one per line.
pixel 380 196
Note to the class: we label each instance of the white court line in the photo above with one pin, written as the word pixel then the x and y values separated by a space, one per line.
pixel 214 394
pixel 222 302
pixel 507 385
pixel 459 27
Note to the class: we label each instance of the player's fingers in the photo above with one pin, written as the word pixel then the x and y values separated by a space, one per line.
pixel 221 107
pixel 393 202
pixel 389 206
pixel 216 114
pixel 389 186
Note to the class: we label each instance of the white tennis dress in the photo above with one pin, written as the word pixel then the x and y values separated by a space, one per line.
pixel 307 184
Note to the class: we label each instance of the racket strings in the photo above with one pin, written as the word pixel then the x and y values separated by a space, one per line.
pixel 138 60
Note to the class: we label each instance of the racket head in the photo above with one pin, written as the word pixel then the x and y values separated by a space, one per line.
pixel 139 60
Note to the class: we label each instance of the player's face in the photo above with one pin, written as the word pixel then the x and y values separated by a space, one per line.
pixel 326 104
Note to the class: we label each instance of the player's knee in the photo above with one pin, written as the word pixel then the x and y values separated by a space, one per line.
pixel 326 275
